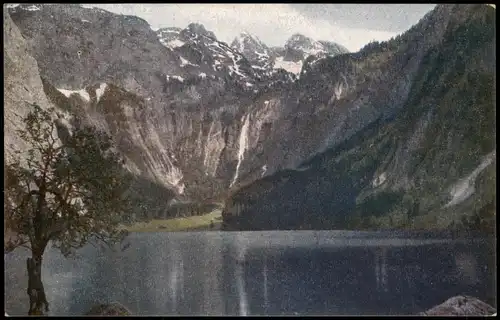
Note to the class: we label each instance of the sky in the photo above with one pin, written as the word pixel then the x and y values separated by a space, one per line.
pixel 351 25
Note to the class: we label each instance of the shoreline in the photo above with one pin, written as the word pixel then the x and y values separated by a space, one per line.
pixel 207 222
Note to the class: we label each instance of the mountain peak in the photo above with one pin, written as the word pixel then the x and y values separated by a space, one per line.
pixel 169 29
pixel 253 49
pixel 247 41
pixel 198 28
pixel 299 43
pixel 298 39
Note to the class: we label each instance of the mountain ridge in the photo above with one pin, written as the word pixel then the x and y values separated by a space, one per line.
pixel 406 170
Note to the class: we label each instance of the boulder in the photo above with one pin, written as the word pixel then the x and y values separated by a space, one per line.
pixel 461 306
pixel 109 309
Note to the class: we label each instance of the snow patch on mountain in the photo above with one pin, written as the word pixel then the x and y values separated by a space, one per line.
pixel 235 68
pixel 185 62
pixel 196 46
pixel 100 91
pixel 290 66
pixel 179 78
pixel 240 42
pixel 258 67
pixel 173 43
pixel 29 8
pixel 379 180
pixel 83 93
pixel 465 188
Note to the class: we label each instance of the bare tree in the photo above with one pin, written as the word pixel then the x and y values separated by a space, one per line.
pixel 68 193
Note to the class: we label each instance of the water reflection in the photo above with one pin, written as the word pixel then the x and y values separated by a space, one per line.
pixel 176 277
pixel 241 245
pixel 242 295
pixel 381 268
pixel 266 294
pixel 260 273
pixel 466 265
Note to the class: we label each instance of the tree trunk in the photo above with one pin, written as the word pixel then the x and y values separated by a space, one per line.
pixel 36 291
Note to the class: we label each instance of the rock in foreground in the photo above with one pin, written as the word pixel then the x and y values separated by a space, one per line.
pixel 461 306
pixel 111 309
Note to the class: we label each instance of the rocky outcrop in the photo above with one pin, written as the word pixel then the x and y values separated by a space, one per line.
pixel 74 46
pixel 111 309
pixel 22 84
pixel 400 165
pixel 461 306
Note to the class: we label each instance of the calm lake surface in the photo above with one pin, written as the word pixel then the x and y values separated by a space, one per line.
pixel 261 273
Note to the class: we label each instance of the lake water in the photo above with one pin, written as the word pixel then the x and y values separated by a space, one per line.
pixel 261 273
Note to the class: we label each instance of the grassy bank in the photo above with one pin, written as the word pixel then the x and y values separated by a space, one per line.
pixel 199 223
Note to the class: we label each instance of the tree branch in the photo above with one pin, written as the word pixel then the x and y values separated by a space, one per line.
pixel 52 139
pixel 39 218
pixel 62 200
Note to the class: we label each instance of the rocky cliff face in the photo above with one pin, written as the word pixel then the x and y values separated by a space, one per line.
pixel 22 88
pixel 22 84
pixel 426 160
pixel 256 52
pixel 188 111
pixel 174 119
